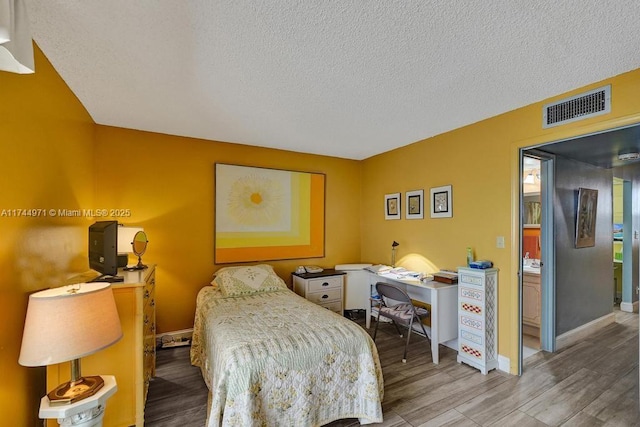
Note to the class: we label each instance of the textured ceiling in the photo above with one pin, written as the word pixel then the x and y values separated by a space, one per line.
pixel 342 78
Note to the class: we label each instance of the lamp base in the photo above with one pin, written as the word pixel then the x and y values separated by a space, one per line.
pixel 73 391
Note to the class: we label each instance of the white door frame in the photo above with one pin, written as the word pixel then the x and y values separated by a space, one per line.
pixel 547 247
pixel 627 247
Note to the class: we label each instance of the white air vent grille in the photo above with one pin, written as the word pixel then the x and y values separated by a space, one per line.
pixel 579 107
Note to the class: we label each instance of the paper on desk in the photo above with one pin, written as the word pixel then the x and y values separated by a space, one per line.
pixel 379 269
pixel 402 273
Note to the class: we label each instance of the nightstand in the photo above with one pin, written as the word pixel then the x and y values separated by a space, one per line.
pixel 87 412
pixel 325 288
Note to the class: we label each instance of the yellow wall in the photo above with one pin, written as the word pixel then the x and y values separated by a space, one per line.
pixel 54 157
pixel 167 183
pixel 480 161
pixel 46 149
pixel 173 199
pixel 618 201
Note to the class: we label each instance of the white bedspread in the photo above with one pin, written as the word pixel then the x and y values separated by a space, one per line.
pixel 276 359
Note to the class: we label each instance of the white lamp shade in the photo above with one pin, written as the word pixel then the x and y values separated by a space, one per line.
pixel 125 239
pixel 62 325
pixel 16 48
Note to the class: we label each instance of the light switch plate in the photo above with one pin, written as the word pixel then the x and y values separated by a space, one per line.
pixel 500 242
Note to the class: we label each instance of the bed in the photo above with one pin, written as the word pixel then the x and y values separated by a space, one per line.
pixel 271 358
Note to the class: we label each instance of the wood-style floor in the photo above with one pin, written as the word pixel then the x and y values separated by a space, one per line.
pixel 591 383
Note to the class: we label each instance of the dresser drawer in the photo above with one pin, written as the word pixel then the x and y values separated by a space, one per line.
pixel 149 290
pixel 322 283
pixel 335 306
pixel 471 294
pixel 149 361
pixel 470 308
pixel 328 295
pixel 470 279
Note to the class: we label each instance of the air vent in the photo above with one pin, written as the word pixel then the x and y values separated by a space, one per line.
pixel 579 107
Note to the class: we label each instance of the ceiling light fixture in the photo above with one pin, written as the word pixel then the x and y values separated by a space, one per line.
pixel 16 48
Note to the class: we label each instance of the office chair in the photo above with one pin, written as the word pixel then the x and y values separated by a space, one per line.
pixel 402 311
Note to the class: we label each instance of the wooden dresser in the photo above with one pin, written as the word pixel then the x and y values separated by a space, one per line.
pixel 131 360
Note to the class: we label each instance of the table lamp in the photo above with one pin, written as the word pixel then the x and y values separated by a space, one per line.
pixel 393 253
pixel 67 323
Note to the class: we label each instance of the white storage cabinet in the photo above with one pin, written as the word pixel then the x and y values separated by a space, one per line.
pixel 478 318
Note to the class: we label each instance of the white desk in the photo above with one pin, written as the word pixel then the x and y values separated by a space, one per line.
pixel 443 299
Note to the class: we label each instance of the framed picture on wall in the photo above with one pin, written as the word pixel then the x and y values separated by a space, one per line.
pixel 414 204
pixel 264 214
pixel 441 202
pixel 586 211
pixel 392 206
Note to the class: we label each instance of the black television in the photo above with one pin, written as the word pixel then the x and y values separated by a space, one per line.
pixel 103 250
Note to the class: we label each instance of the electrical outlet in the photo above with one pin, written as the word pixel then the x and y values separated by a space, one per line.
pixel 500 242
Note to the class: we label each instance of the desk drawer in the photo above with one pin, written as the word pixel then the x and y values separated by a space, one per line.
pixel 323 283
pixel 328 295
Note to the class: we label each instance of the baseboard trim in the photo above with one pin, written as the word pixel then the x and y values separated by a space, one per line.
pixel 504 364
pixel 578 334
pixel 629 307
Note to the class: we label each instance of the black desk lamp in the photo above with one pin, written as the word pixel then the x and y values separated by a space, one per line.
pixel 393 253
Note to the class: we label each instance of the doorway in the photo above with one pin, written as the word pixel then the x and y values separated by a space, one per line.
pixel 583 161
pixel 537 290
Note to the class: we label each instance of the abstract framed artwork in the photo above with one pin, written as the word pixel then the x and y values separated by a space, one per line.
pixel 441 202
pixel 266 214
pixel 392 206
pixel 414 205
pixel 586 211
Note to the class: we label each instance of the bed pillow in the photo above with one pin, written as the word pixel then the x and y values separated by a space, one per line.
pixel 237 281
